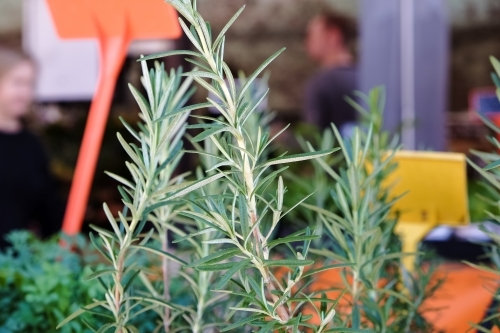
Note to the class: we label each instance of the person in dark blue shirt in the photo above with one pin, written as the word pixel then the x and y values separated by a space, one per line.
pixel 328 38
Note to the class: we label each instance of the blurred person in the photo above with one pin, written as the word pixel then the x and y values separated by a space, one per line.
pixel 328 38
pixel 27 193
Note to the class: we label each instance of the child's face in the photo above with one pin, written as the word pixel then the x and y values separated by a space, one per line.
pixel 16 90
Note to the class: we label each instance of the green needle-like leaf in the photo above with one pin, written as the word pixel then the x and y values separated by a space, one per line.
pixel 242 322
pixel 298 157
pixel 230 273
pixel 159 252
pixel 288 263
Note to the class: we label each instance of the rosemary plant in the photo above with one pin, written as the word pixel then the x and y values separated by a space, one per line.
pixel 227 217
pixel 318 183
pixel 206 315
pixel 357 230
pixel 491 173
pixel 149 197
pixel 235 218
pixel 362 230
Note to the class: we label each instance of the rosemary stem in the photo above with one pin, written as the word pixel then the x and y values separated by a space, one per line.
pixel 166 281
pixel 261 247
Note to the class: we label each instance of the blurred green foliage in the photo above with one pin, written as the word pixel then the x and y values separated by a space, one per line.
pixel 41 283
pixel 481 201
pixel 490 196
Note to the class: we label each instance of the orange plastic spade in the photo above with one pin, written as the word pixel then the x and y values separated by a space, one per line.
pixel 115 23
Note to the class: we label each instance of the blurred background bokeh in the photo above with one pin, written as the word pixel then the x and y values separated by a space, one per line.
pixel 265 26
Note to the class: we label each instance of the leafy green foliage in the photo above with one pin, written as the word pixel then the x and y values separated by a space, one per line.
pixel 152 196
pixel 41 283
pixel 314 180
pixel 482 199
pixel 235 219
pixel 491 173
pixel 383 295
pixel 239 277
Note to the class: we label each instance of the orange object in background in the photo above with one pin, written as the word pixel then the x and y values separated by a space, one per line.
pixel 115 23
pixel 463 298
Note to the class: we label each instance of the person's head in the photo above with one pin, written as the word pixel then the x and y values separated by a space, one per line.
pixel 17 78
pixel 329 35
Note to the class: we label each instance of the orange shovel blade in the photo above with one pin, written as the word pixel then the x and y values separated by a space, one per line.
pixel 148 19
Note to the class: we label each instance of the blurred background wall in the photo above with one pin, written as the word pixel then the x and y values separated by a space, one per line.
pixel 267 25
pixel 10 16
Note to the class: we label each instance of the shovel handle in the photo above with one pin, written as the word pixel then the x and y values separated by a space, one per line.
pixel 113 51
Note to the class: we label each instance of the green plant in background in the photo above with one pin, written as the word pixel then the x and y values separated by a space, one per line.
pixel 383 296
pixel 381 148
pixel 150 197
pixel 41 283
pixel 313 181
pixel 484 196
pixel 161 138
pixel 360 234
pixel 491 173
pixel 482 199
pixel 205 315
